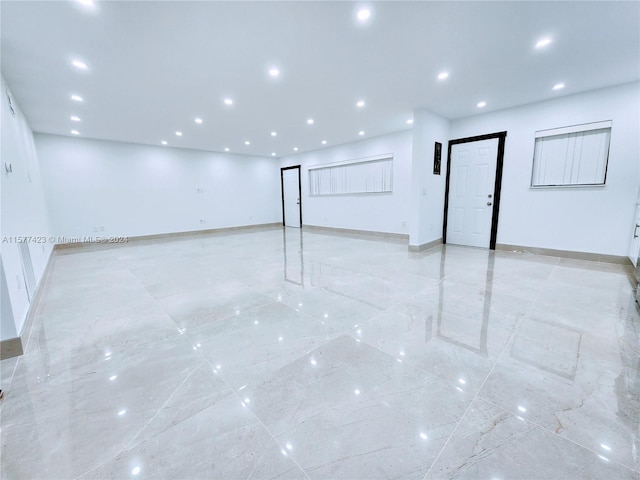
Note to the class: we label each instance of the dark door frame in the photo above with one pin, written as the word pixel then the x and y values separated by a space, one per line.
pixel 299 191
pixel 501 136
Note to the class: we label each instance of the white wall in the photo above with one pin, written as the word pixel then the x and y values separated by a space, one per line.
pixel 584 219
pixel 427 189
pixel 378 212
pixel 24 211
pixel 134 190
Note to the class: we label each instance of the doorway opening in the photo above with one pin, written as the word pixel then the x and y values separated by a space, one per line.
pixel 472 190
pixel 291 196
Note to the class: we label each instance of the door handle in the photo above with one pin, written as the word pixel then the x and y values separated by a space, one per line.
pixel 489 204
pixel 635 231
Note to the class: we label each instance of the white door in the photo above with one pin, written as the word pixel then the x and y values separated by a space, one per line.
pixel 291 195
pixel 471 188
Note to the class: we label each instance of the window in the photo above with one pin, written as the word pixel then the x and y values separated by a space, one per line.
pixel 576 155
pixel 369 175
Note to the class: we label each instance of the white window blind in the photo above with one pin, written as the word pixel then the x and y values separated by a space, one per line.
pixel 370 175
pixel 575 155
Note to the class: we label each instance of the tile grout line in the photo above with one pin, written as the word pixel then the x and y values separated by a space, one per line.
pixel 128 444
pixel 509 342
pixel 240 399
pixel 608 460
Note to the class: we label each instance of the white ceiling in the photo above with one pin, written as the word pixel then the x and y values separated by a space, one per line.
pixel 156 65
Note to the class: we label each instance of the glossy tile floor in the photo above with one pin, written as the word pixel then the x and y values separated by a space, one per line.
pixel 292 354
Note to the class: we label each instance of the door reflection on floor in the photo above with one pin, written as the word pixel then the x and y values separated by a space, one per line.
pixel 293 255
pixel 465 323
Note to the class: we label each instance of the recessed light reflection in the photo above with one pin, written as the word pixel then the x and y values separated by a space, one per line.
pixel 122 412
pixel 295 149
pixel 604 458
pixel 363 14
pixel 256 322
pixel 360 104
pixel 361 132
pixel 326 315
pixel 522 409
pixel 313 361
pixel 226 149
pixel 310 121
pixel 113 377
pixel 218 367
pixel 443 75
pixel 605 447
pixel 228 101
pixel 356 391
pixel 283 452
pixel 75 132
pixel 462 381
pixel 179 134
pixel 558 86
pixel 410 121
pixel 274 72
pixel 86 3
pixel 247 400
pixel 459 389
pixel 543 42
pixel 247 142
pixel 74 118
pixel 273 154
pixel 324 142
pixel 274 134
pixel 77 98
pixel 79 64
pixel 163 142
pixel 423 436
pixel 108 354
pixel 482 104
pixel 289 446
pixel 198 120
pixel 135 470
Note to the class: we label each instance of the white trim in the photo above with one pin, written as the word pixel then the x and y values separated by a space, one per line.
pixel 585 127
pixel 384 156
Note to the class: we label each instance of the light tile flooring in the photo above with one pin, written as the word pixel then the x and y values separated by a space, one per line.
pixel 290 354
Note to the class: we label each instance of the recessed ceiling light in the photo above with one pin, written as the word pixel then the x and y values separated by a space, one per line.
pixel 79 64
pixel 76 98
pixel 324 142
pixel 86 3
pixel 543 42
pixel 443 75
pixel 179 134
pixel 273 154
pixel 364 14
pixel 310 121
pixel 558 86
pixel 228 101
pixel 75 132
pixel 198 120
pixel 410 121
pixel 73 118
pixel 361 132
pixel 247 142
pixel 226 149
pixel 274 72
pixel 163 142
pixel 295 149
pixel 482 104
pixel 360 104
pixel 274 134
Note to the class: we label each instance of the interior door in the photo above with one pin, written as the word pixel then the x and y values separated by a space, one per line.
pixel 471 192
pixel 634 250
pixel 291 207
